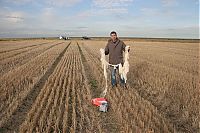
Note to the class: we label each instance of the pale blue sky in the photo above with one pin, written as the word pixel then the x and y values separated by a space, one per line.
pixel 131 18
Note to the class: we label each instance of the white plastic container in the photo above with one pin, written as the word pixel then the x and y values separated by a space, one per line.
pixel 103 107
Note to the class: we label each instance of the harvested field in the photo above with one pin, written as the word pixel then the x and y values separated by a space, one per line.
pixel 47 86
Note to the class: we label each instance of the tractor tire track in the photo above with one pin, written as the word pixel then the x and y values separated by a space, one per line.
pixel 70 110
pixel 14 122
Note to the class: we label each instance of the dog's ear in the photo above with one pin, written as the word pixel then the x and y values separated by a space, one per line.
pixel 127 48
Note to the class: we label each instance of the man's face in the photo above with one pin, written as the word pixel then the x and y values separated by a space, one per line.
pixel 113 37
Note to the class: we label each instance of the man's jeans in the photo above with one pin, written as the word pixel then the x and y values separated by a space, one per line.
pixel 113 77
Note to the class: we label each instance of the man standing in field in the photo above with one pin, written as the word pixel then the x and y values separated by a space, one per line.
pixel 115 48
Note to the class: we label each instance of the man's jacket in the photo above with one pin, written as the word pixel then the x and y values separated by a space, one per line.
pixel 115 51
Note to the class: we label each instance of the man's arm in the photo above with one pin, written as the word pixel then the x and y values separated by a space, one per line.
pixel 123 46
pixel 106 50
